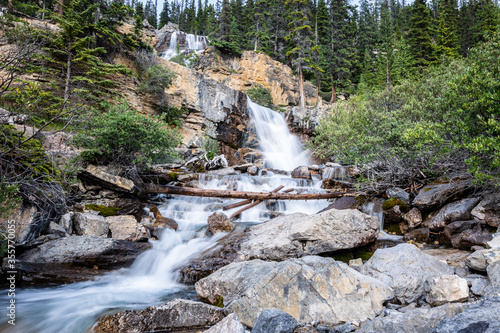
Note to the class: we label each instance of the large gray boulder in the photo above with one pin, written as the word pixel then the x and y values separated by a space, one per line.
pixel 88 224
pixel 436 195
pixel 455 211
pixel 309 288
pixel 230 324
pixel 446 289
pixel 465 234
pixel 177 314
pixel 488 210
pixel 290 236
pixel 493 271
pixel 422 320
pixel 274 321
pixel 482 317
pixel 405 269
pixel 125 227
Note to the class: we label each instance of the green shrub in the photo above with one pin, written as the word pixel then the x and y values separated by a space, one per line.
pixel 226 47
pixel 125 137
pixel 260 95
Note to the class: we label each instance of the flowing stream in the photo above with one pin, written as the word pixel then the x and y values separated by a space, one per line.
pixel 194 44
pixel 152 279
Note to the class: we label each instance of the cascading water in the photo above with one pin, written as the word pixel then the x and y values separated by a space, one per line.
pixel 172 47
pixel 282 150
pixel 194 44
pixel 152 279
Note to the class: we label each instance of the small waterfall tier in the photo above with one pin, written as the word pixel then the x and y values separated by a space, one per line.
pixel 183 43
pixel 281 149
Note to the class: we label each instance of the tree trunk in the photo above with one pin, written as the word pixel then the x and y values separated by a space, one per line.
pixel 387 73
pixel 196 192
pixel 334 93
pixel 60 7
pixel 68 74
pixel 301 87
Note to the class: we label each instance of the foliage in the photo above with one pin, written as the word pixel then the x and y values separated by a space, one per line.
pixel 211 147
pixel 155 79
pixel 260 95
pixel 172 114
pixel 103 210
pixel 125 137
pixel 226 47
pixel 8 198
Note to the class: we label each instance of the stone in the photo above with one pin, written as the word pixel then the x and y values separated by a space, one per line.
pixel 476 261
pixel 491 256
pixel 274 321
pixel 414 321
pixel 301 172
pixel 420 235
pixel 174 315
pixel 125 227
pixel 398 193
pixel 107 180
pixel 230 324
pixel 56 229
pixel 493 271
pixel 88 224
pixel 436 195
pixel 491 291
pixel 494 243
pixel 465 234
pixel 455 211
pixel 356 262
pixel 223 172
pixel 343 203
pixel 219 222
pixel 446 289
pixel 66 221
pixel 488 210
pixel 309 288
pixel 405 269
pixel 253 170
pixel 478 286
pixel 27 223
pixel 411 220
pixel 161 221
pixel 484 317
pixel 10 118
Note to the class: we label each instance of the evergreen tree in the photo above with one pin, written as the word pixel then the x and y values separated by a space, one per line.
pixel 447 36
pixel 224 22
pixel 419 36
pixel 164 15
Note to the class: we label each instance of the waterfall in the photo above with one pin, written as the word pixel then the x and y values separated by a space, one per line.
pixel 194 44
pixel 282 150
pixel 172 47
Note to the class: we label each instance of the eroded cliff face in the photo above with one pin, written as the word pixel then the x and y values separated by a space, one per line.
pixel 242 73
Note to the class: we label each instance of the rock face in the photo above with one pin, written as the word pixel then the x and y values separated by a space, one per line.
pixel 446 289
pixel 405 269
pixel 483 317
pixel 455 211
pixel 87 224
pixel 230 324
pixel 26 217
pixel 309 288
pixel 436 195
pixel 414 321
pixel 218 222
pixel 173 315
pixel 125 227
pixel 274 321
pixel 488 210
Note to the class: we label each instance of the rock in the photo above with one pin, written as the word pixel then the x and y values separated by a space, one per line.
pixel 488 210
pixel 484 317
pixel 219 222
pixel 28 223
pixel 418 235
pixel 10 118
pixel 98 176
pixel 274 321
pixel 356 262
pixel 455 211
pixel 446 289
pixel 404 268
pixel 452 257
pixel 478 286
pixel 398 193
pixel 343 203
pixel 161 221
pixel 87 224
pixel 66 221
pixel 57 230
pixel 177 314
pixel 491 291
pixel 491 256
pixel 125 227
pixel 436 195
pixel 493 271
pixel 494 243
pixel 465 234
pixel 309 288
pixel 301 172
pixel 253 170
pixel 476 261
pixel 413 321
pixel 230 324
pixel 223 172
pixel 411 220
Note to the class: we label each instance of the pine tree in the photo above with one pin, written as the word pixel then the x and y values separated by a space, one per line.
pixel 419 36
pixel 164 15
pixel 224 22
pixel 447 36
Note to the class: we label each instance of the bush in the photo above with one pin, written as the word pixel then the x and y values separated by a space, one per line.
pixel 226 47
pixel 260 95
pixel 125 137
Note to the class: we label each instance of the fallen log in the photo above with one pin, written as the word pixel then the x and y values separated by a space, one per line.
pixel 255 203
pixel 246 202
pixel 196 192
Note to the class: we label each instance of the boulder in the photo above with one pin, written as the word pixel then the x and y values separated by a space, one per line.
pixel 56 229
pixel 343 203
pixel 398 193
pixel 493 271
pixel 253 170
pixel 465 234
pixel 414 321
pixel 86 251
pixel 495 242
pixel 66 221
pixel 174 315
pixel 309 288
pixel 274 321
pixel 484 317
pixel 301 172
pixel 478 285
pixel 491 256
pixel 446 289
pixel 230 324
pixel 161 221
pixel 418 235
pixel 411 220
pixel 405 269
pixel 107 180
pixel 455 211
pixel 488 210
pixel 88 224
pixel 223 172
pixel 219 222
pixel 476 261
pixel 125 227
pixel 27 223
pixel 436 195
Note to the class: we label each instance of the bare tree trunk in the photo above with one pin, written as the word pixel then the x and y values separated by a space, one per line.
pixel 301 87
pixel 387 72
pixel 68 74
pixel 334 93
pixel 60 7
